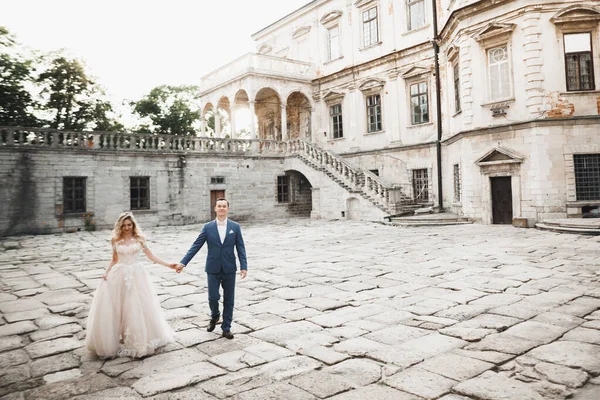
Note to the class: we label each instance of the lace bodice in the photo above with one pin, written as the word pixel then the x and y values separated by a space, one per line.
pixel 128 253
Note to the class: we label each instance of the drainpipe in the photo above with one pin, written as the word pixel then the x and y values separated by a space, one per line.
pixel 438 143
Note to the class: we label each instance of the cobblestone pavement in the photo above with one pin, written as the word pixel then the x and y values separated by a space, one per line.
pixel 336 310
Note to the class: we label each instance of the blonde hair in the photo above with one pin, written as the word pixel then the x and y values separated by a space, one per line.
pixel 136 231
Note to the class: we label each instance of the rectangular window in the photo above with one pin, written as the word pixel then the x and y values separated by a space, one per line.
pixel 139 193
pixel 419 103
pixel 74 195
pixel 499 73
pixel 370 31
pixel 374 113
pixel 416 14
pixel 420 185
pixel 587 176
pixel 283 189
pixel 333 43
pixel 456 183
pixel 217 180
pixel 456 74
pixel 578 61
pixel 336 120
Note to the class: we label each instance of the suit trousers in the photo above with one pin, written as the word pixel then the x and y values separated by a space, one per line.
pixel 227 282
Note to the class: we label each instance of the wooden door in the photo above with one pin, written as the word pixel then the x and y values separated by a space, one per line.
pixel 214 195
pixel 502 212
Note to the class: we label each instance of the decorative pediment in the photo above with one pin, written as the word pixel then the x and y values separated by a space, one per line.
pixel 494 32
pixel 364 3
pixel 333 97
pixel 283 52
pixel 415 71
pixel 303 30
pixel 264 49
pixel 452 52
pixel 371 84
pixel 500 155
pixel 576 14
pixel 331 17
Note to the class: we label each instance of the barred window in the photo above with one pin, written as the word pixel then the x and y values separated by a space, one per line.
pixel 420 185
pixel 587 176
pixel 216 180
pixel 419 103
pixel 373 113
pixel 578 61
pixel 283 189
pixel 370 32
pixel 456 73
pixel 336 120
pixel 139 193
pixel 74 199
pixel 457 187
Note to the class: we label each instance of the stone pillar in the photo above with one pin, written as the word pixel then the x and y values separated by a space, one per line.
pixel 252 120
pixel 284 122
pixel 232 121
pixel 394 117
pixel 202 126
pixel 217 123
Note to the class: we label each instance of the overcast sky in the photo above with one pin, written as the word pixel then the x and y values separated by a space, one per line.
pixel 132 46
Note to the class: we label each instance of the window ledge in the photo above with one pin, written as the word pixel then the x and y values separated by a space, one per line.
pixel 580 203
pixel 374 133
pixel 337 139
pixel 144 212
pixel 416 30
pixel 419 125
pixel 73 215
pixel 332 61
pixel 498 103
pixel 454 204
pixel 369 47
pixel 580 93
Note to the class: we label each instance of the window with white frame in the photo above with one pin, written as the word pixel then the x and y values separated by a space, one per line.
pixel 419 103
pixel 578 61
pixel 456 76
pixel 416 14
pixel 333 42
pixel 499 73
pixel 370 29
pixel 337 127
pixel 374 113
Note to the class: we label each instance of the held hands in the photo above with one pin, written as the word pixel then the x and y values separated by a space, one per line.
pixel 179 268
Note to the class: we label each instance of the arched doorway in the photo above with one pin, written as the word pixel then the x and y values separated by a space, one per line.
pixel 268 110
pixel 295 189
pixel 242 118
pixel 298 112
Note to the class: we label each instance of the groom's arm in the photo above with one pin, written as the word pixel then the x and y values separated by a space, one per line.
pixel 198 243
pixel 241 252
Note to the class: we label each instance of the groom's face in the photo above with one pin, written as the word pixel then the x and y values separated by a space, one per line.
pixel 221 208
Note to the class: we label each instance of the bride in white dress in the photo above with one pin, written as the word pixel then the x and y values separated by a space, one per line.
pixel 125 317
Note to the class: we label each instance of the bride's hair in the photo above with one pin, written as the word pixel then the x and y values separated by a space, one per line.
pixel 136 231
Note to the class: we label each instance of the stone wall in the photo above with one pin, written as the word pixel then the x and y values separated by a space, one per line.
pixel 32 187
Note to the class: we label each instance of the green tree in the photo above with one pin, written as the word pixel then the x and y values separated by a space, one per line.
pixel 171 110
pixel 16 102
pixel 73 99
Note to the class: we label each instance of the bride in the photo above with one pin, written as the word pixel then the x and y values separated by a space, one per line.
pixel 125 317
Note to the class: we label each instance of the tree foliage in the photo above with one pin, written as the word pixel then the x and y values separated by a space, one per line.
pixel 16 102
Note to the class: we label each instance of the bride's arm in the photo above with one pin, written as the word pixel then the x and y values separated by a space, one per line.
pixel 115 259
pixel 154 258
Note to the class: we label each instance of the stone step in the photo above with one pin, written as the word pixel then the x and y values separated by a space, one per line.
pixel 429 223
pixel 430 219
pixel 564 229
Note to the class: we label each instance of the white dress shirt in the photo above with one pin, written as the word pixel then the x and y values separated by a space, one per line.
pixel 222 227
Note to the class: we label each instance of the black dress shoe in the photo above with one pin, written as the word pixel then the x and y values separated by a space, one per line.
pixel 212 324
pixel 228 334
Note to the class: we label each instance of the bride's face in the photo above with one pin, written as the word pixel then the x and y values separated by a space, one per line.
pixel 127 226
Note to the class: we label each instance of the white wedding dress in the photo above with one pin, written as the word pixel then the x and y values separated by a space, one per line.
pixel 125 317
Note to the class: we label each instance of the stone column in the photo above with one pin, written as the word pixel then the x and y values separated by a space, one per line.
pixel 394 117
pixel 284 122
pixel 252 120
pixel 202 126
pixel 217 123
pixel 232 121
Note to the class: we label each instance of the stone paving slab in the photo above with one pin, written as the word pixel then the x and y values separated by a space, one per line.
pixel 330 310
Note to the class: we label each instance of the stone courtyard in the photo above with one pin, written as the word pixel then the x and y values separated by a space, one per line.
pixel 330 309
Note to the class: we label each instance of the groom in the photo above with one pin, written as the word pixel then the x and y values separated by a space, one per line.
pixel 222 235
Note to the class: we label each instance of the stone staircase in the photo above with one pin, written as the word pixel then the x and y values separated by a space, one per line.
pixel 391 199
pixel 581 226
pixel 435 219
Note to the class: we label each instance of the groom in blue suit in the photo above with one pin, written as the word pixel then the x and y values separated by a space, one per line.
pixel 222 235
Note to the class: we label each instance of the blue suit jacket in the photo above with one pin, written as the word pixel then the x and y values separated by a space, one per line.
pixel 219 255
